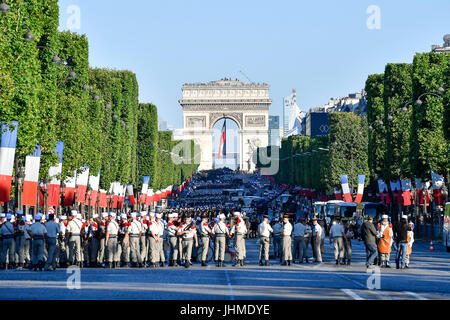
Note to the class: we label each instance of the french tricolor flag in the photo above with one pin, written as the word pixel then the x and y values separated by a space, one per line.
pixel 102 201
pixel 54 187
pixel 406 188
pixel 30 183
pixel 93 183
pixel 437 182
pixel 223 142
pixel 114 191
pixel 69 189
pixel 130 194
pixel 122 195
pixel 345 188
pixel 7 152
pixel 82 181
pixel 359 196
pixel 419 188
pixel 146 180
pixel 337 194
pixel 149 198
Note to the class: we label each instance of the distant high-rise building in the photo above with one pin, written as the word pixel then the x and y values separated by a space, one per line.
pixel 162 125
pixel 292 115
pixel 274 131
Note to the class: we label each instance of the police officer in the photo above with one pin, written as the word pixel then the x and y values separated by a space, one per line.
pixel 277 229
pixel 240 230
pixel 37 232
pixel 220 231
pixel 7 231
pixel 73 238
pixel 20 241
pixel 264 230
pixel 188 232
pixel 172 230
pixel 287 241
pixel 205 231
pixel 111 245
pixel 52 233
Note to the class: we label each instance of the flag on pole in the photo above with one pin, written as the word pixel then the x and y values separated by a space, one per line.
pixel 396 191
pixel 149 198
pixel 7 153
pixel 419 189
pixel 223 141
pixel 54 187
pixel 82 181
pixel 337 194
pixel 437 181
pixel 345 188
pixel 130 194
pixel 30 183
pixel 93 183
pixel 406 188
pixel 102 201
pixel 145 181
pixel 361 178
pixel 69 190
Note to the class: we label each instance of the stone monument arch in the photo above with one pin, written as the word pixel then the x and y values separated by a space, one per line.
pixel 245 103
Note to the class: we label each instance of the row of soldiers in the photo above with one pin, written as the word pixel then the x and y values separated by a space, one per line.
pixel 114 240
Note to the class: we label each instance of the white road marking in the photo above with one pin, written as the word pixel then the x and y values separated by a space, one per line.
pixel 418 296
pixel 229 285
pixel 352 294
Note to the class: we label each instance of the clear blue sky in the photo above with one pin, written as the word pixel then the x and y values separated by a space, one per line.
pixel 322 48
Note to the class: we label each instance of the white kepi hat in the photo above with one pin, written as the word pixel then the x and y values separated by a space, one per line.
pixel 384 216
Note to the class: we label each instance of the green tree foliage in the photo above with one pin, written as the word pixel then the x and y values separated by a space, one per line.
pixel 377 131
pixel 397 92
pixel 429 147
pixel 147 143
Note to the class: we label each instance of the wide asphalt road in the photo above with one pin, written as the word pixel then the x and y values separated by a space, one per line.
pixel 428 278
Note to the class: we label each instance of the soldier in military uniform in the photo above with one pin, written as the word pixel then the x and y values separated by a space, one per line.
pixel 102 236
pixel 37 232
pixel 188 234
pixel 149 236
pixel 93 240
pixel 7 232
pixel 220 231
pixel 156 242
pixel 205 232
pixel 134 233
pixel 143 238
pixel 63 249
pixel 124 241
pixel 172 230
pixel 111 245
pixel 239 229
pixel 73 238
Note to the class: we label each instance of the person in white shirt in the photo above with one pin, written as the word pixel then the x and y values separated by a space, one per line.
pixel 337 236
pixel 264 230
pixel 317 239
pixel 287 241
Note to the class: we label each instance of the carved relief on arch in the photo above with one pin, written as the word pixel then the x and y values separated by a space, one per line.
pixel 236 116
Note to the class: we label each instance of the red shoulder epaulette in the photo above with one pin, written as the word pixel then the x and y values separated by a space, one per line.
pixel 170 224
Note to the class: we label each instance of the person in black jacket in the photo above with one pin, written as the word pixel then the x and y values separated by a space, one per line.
pixel 369 236
pixel 402 242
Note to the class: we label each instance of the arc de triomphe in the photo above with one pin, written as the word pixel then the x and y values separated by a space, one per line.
pixel 246 103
